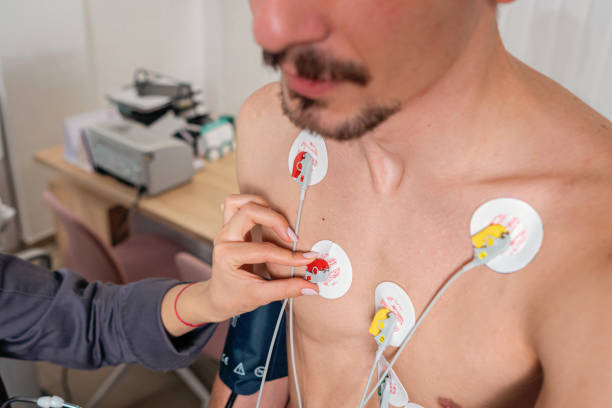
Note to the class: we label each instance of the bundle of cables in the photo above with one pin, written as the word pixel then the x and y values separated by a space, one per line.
pixel 42 402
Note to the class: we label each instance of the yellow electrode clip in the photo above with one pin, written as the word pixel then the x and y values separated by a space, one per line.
pixel 488 235
pixel 494 238
pixel 382 327
pixel 378 322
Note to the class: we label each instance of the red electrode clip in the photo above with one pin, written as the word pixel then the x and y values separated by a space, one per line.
pixel 298 166
pixel 317 271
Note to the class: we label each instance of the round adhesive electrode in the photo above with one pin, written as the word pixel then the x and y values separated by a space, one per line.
pixel 523 224
pixel 398 397
pixel 340 270
pixel 314 144
pixel 394 298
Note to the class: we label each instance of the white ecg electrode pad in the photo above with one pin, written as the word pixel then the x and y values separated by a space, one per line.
pixel 340 270
pixel 315 145
pixel 523 224
pixel 397 392
pixel 391 296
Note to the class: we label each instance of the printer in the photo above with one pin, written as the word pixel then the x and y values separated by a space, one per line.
pixel 146 157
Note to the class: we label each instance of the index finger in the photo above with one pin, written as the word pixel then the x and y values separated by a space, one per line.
pixel 251 214
pixel 234 202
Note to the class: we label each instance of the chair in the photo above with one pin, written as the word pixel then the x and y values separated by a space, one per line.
pixel 138 257
pixel 192 269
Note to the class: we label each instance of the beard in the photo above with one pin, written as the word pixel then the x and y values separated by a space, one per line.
pixel 306 113
pixel 310 113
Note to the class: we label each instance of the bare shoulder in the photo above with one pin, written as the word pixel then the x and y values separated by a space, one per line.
pixel 258 109
pixel 263 134
pixel 577 134
pixel 577 192
pixel 570 321
pixel 574 159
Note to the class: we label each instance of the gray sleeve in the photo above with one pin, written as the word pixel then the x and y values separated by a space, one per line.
pixel 60 317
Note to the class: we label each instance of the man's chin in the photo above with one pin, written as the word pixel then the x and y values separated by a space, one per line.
pixel 316 116
pixel 311 117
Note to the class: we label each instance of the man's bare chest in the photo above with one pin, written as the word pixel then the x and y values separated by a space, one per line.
pixel 475 329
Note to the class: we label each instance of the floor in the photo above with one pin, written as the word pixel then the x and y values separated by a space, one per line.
pixel 138 387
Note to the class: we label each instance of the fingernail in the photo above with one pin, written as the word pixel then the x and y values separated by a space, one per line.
pixel 222 206
pixel 291 234
pixel 308 292
pixel 311 254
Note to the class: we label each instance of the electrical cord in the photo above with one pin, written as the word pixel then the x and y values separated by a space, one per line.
pixel 9 401
pixel 472 264
pixel 42 402
pixel 270 349
pixel 280 318
pixel 383 332
pixel 292 273
pixel 231 400
pixel 365 390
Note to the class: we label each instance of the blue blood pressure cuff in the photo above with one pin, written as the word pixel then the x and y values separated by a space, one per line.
pixel 246 348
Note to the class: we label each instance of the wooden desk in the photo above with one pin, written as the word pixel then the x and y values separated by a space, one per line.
pixel 193 208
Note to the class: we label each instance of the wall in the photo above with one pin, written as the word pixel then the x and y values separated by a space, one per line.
pixel 568 40
pixel 161 35
pixel 9 237
pixel 60 57
pixel 238 70
pixel 45 73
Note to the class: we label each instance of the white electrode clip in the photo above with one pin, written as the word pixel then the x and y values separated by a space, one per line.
pixel 396 394
pixel 53 402
pixel 384 394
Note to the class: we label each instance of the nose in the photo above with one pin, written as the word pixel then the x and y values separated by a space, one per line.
pixel 280 24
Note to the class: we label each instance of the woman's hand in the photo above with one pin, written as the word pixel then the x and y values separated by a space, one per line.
pixel 232 289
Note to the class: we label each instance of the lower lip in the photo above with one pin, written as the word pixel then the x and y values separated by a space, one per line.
pixel 308 87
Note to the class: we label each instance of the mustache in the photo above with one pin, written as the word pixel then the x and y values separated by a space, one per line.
pixel 314 65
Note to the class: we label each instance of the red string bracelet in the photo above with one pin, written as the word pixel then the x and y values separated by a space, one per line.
pixel 176 310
